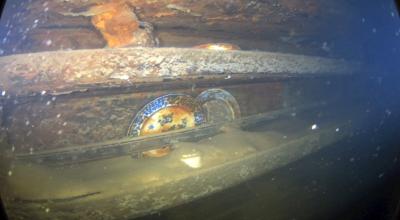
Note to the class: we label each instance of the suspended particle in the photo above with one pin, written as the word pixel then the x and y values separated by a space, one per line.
pixel 48 42
pixel 314 127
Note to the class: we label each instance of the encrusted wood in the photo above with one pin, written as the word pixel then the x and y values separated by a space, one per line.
pixel 278 25
pixel 76 70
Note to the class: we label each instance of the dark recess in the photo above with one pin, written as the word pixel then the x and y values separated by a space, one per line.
pixel 398 6
pixel 2 3
pixel 2 211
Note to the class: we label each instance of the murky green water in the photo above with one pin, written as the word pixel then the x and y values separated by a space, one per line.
pixel 199 109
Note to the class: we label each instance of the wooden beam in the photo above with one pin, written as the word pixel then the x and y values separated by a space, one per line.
pixel 60 71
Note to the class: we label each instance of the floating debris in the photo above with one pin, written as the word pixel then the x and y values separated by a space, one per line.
pixel 325 47
pixel 314 127
pixel 48 42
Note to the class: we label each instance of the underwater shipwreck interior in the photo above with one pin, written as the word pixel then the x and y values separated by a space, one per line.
pixel 183 109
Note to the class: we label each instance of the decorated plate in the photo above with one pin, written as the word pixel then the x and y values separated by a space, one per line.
pixel 167 113
pixel 219 105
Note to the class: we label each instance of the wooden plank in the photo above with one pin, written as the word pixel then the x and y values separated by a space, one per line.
pixel 46 122
pixel 294 24
pixel 27 74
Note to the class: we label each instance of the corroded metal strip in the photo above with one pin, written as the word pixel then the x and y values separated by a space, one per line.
pixel 136 145
pixel 59 71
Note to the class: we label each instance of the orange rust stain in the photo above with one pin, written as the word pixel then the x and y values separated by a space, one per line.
pixel 116 22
